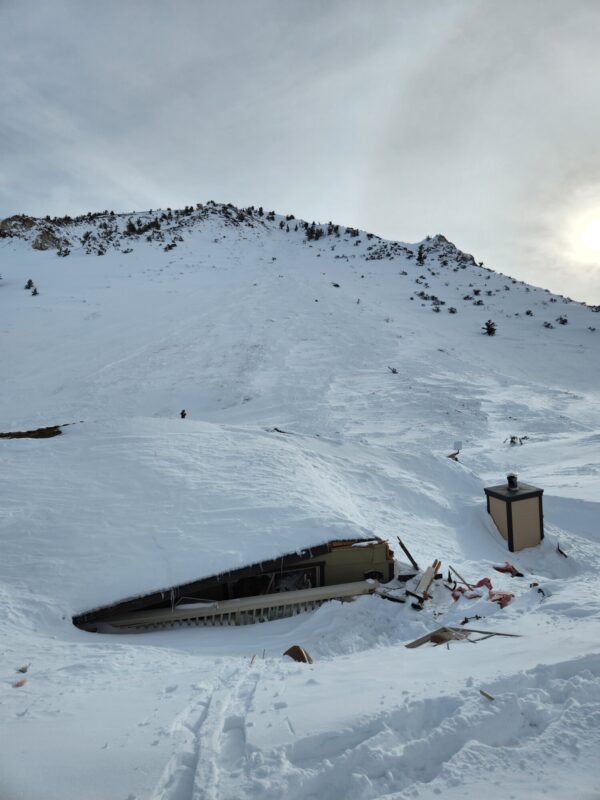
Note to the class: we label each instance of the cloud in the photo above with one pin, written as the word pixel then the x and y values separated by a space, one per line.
pixel 474 119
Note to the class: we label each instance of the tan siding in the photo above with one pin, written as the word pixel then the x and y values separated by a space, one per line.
pixel 347 564
pixel 498 512
pixel 526 523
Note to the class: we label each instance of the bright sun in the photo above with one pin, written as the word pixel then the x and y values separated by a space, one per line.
pixel 589 236
pixel 584 236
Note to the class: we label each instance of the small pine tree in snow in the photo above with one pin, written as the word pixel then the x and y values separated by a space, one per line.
pixel 489 328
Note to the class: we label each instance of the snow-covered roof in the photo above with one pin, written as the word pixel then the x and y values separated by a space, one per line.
pixel 145 505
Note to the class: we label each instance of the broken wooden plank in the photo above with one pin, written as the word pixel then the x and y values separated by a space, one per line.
pixel 439 636
pixel 448 633
pixel 407 553
pixel 427 579
pixel 425 582
pixel 423 639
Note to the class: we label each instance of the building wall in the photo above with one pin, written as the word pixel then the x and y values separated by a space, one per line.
pixel 350 563
pixel 499 515
pixel 526 523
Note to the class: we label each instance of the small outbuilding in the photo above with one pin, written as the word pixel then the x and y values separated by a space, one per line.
pixel 516 509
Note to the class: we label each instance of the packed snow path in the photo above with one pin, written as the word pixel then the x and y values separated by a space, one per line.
pixel 441 742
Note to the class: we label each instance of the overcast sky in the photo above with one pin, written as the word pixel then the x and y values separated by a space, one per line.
pixel 478 119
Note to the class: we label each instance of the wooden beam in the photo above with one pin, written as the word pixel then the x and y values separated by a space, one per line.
pixel 407 553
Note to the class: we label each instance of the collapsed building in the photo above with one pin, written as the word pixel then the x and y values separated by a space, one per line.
pixel 266 590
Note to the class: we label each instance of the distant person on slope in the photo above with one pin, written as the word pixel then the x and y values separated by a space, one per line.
pixel 183 413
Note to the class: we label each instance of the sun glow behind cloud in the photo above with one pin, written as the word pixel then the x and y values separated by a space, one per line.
pixel 589 237
pixel 584 237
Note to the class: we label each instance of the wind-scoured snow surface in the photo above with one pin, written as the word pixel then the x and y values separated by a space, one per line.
pixel 251 327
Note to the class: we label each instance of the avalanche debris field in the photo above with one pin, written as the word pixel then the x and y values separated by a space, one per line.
pixel 371 356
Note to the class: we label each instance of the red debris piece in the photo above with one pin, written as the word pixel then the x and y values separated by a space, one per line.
pixel 502 598
pixel 509 569
pixel 468 593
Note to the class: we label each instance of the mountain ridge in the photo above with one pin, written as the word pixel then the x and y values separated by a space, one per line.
pixel 96 233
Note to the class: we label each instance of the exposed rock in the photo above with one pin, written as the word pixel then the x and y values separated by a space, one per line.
pixel 46 240
pixel 38 433
pixel 16 225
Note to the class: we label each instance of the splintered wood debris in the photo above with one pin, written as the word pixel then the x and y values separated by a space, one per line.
pixel 445 634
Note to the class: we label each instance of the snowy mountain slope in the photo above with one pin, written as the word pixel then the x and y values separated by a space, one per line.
pixel 250 327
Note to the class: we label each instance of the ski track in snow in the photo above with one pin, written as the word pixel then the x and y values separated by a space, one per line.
pixel 424 748
pixel 211 755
